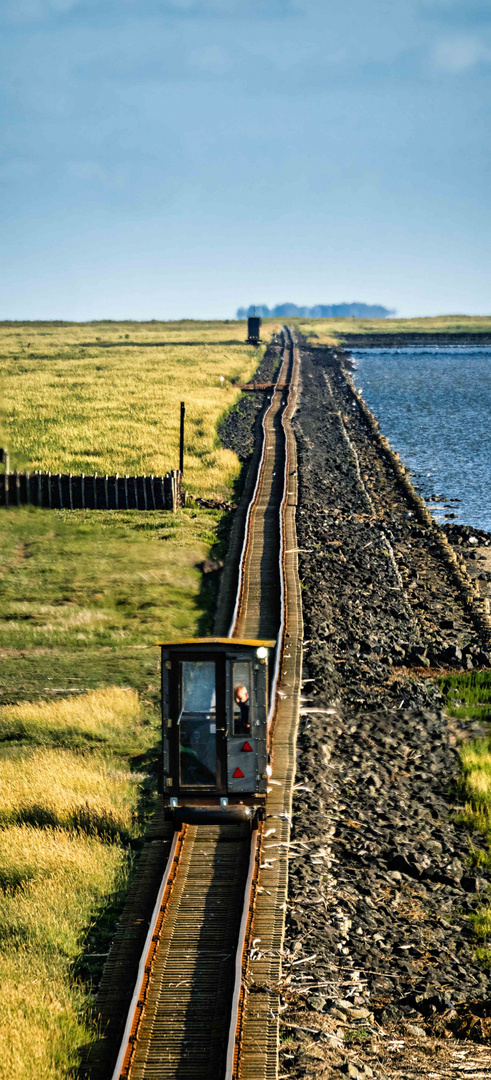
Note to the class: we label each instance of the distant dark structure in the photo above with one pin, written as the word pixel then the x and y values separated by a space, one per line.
pixel 253 329
pixel 319 311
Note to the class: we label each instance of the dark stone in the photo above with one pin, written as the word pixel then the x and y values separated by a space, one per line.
pixel 452 654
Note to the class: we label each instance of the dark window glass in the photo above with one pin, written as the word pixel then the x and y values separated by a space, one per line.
pixel 197 724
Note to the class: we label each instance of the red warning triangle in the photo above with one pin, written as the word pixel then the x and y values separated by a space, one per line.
pixel 238 774
pixel 247 746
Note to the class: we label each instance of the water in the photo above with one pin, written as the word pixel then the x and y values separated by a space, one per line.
pixel 433 404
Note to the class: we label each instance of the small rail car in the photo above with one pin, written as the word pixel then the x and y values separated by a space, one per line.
pixel 214 729
pixel 253 330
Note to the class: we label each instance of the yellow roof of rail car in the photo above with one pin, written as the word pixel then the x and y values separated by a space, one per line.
pixel 218 641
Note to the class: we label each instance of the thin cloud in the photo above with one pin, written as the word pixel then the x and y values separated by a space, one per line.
pixel 457 54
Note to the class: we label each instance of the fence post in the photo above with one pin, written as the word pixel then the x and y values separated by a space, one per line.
pixel 82 490
pixel 17 487
pixel 70 491
pixel 152 489
pixel 116 492
pixel 40 488
pixel 60 491
pixel 106 491
pixel 135 478
pixel 181 438
pixel 28 488
pixel 126 490
pixel 4 456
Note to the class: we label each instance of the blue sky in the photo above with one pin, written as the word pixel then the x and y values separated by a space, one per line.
pixel 179 158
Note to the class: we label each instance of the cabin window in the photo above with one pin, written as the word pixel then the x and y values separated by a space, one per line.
pixel 242 697
pixel 197 724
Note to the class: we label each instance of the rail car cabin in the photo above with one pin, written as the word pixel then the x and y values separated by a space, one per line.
pixel 253 330
pixel 214 728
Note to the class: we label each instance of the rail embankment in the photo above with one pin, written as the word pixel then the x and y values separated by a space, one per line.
pixel 385 880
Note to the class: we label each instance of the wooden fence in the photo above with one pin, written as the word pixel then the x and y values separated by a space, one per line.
pixel 63 491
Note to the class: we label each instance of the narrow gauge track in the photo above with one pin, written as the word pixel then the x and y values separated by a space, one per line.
pixel 190 1015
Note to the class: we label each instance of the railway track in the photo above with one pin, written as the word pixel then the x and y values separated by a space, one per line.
pixel 205 1000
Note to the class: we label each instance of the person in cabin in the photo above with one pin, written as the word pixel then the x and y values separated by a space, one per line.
pixel 241 711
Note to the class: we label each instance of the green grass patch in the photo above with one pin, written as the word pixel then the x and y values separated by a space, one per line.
pixel 468 696
pixel 77 579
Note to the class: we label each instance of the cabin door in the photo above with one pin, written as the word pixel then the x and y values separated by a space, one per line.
pixel 201 729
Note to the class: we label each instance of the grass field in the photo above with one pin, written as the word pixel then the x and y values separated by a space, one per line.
pixel 70 803
pixel 333 331
pixel 105 397
pixel 468 698
pixel 83 597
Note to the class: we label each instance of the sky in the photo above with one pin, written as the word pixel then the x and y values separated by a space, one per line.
pixel 180 158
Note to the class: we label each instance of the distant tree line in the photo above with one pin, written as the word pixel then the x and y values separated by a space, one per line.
pixel 319 311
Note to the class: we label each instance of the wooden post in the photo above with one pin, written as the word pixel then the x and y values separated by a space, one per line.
pixel 95 491
pixel 60 492
pixel 40 488
pixel 181 439
pixel 116 492
pixel 28 487
pixel 145 501
pixel 70 491
pixel 4 456
pixel 152 488
pixel 50 498
pixel 136 491
pixel 106 490
pixel 126 491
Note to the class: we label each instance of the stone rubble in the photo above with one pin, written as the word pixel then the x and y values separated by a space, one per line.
pixel 383 879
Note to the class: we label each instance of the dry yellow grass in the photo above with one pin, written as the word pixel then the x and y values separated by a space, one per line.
pixel 63 817
pixel 41 1025
pixel 59 787
pixel 107 716
pixel 51 884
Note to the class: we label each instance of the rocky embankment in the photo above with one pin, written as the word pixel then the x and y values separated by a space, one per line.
pixel 380 973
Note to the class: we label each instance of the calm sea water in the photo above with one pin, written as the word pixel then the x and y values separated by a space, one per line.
pixel 434 406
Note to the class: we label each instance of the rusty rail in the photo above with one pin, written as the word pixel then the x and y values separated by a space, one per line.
pixel 181 969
